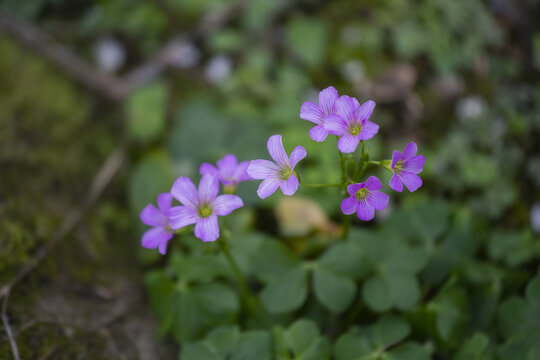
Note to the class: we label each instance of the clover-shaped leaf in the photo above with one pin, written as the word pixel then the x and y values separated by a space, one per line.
pixel 451 314
pixel 287 293
pixel 474 348
pixel 379 341
pixel 518 320
pixel 394 283
pixel 334 291
pixel 303 339
pixel 227 343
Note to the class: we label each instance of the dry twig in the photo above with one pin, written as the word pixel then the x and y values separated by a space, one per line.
pixel 112 87
pixel 100 182
pixel 7 327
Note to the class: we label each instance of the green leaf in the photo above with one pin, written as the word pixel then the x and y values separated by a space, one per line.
pixel 300 335
pixel 376 294
pixel 511 316
pixel 198 267
pixel 403 289
pixel 271 261
pixel 350 346
pixel 253 345
pixel 334 291
pixel 199 350
pixel 306 38
pixel 216 298
pixel 150 177
pixel 224 339
pixel 162 297
pixel 146 112
pixel 532 293
pixel 389 331
pixel 474 348
pixel 320 349
pixel 451 315
pixel 408 351
pixel 288 293
pixel 346 258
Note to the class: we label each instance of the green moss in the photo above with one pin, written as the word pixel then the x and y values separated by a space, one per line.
pixel 50 148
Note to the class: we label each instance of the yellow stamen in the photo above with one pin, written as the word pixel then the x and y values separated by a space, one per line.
pixel 205 211
pixel 361 194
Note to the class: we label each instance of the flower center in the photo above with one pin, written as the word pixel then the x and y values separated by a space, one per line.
pixel 361 194
pixel 355 129
pixel 398 167
pixel 285 173
pixel 205 211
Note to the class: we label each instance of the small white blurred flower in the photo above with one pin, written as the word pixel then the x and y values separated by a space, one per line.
pixel 184 55
pixel 535 218
pixel 219 68
pixel 109 54
pixel 353 71
pixel 470 107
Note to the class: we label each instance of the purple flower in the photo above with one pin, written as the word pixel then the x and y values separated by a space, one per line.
pixel 161 233
pixel 201 207
pixel 352 123
pixel 279 173
pixel 319 114
pixel 364 199
pixel 405 167
pixel 229 171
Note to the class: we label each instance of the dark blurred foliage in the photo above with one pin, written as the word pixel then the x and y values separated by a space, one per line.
pixel 449 272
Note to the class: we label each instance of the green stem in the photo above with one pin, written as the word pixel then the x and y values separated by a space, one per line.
pixel 321 185
pixel 346 226
pixel 224 246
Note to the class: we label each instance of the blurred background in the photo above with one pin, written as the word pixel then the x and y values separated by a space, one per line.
pixel 104 103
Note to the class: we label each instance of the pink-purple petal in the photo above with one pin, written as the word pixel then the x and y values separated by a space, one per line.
pixel 276 150
pixel 410 180
pixel 311 112
pixel 207 168
pixel 185 191
pixel 410 150
pixel 180 216
pixel 240 174
pixel 346 108
pixel 335 124
pixel 365 211
pixel 396 156
pixel 225 204
pixel 164 201
pixel 373 183
pixel 156 237
pixel 289 186
pixel 365 110
pixel 395 183
pixel 348 143
pixel 207 229
pixel 414 164
pixel 228 163
pixel 327 99
pixel 353 188
pixel 318 133
pixel 262 169
pixel 151 216
pixel 349 205
pixel 297 154
pixel 378 200
pixel 369 130
pixel 267 187
pixel 208 188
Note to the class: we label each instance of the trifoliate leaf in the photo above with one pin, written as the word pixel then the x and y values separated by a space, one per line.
pixel 334 291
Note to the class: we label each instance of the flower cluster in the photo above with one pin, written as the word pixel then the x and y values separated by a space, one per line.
pixel 342 116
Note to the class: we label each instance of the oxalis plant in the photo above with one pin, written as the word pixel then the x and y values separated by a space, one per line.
pixel 249 296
